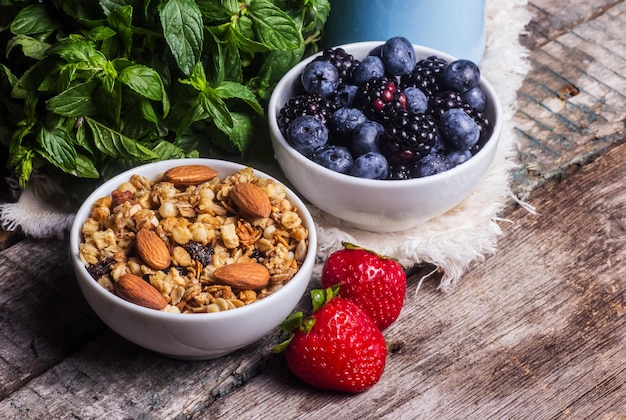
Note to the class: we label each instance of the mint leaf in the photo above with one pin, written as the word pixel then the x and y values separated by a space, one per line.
pixel 242 36
pixel 182 26
pixel 100 33
pixel 57 148
pixel 9 75
pixel 117 145
pixel 120 20
pixel 85 167
pixel 227 90
pixel 273 27
pixel 77 50
pixel 215 107
pixel 212 11
pixel 31 47
pixel 243 131
pixel 32 20
pixel 75 101
pixel 166 150
pixel 143 80
pixel 109 6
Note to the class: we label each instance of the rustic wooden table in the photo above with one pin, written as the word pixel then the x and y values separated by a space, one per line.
pixel 536 331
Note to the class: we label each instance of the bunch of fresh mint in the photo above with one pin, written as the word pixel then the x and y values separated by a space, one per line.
pixel 91 87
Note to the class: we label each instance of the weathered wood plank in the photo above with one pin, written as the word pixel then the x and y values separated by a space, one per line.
pixel 112 378
pixel 548 341
pixel 553 18
pixel 572 104
pixel 44 316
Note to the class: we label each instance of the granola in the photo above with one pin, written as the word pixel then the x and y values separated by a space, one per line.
pixel 203 230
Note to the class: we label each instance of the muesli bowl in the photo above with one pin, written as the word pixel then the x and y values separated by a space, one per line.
pixel 171 331
pixel 374 204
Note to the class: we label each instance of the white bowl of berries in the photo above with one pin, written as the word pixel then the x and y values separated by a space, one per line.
pixel 384 135
pixel 193 258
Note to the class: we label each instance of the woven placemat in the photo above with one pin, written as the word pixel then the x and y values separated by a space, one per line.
pixel 450 242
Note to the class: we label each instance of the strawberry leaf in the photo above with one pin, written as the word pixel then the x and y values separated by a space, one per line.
pixel 349 245
pixel 319 297
pixel 292 322
pixel 289 325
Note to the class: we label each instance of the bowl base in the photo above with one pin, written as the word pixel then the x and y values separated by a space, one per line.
pixel 382 227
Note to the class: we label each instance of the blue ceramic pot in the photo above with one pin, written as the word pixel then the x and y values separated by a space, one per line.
pixel 456 27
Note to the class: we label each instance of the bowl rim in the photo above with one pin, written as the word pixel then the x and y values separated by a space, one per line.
pixel 274 107
pixel 76 238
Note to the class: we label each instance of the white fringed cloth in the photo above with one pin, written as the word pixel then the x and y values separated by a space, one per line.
pixel 451 242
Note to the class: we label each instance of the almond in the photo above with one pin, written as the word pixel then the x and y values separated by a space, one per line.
pixel 136 290
pixel 245 275
pixel 152 249
pixel 251 200
pixel 189 174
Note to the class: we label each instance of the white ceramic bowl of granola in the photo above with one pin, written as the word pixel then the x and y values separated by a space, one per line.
pixel 380 205
pixel 190 336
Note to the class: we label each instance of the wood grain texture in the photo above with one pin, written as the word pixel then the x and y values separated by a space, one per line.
pixel 552 19
pixel 547 342
pixel 572 105
pixel 43 316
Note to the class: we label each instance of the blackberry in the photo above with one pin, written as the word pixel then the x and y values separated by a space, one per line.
pixel 344 63
pixel 444 101
pixel 380 99
pixel 199 252
pixel 425 75
pixel 409 137
pixel 399 172
pixel 298 106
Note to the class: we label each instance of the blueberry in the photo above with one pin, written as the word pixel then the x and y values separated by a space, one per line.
pixel 461 75
pixel 430 165
pixel 398 55
pixel 345 120
pixel 320 77
pixel 459 129
pixel 377 51
pixel 370 66
pixel 344 97
pixel 456 157
pixel 336 158
pixel 365 138
pixel 307 134
pixel 416 101
pixel 371 165
pixel 476 98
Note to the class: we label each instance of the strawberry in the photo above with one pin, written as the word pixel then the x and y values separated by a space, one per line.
pixel 337 348
pixel 374 282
